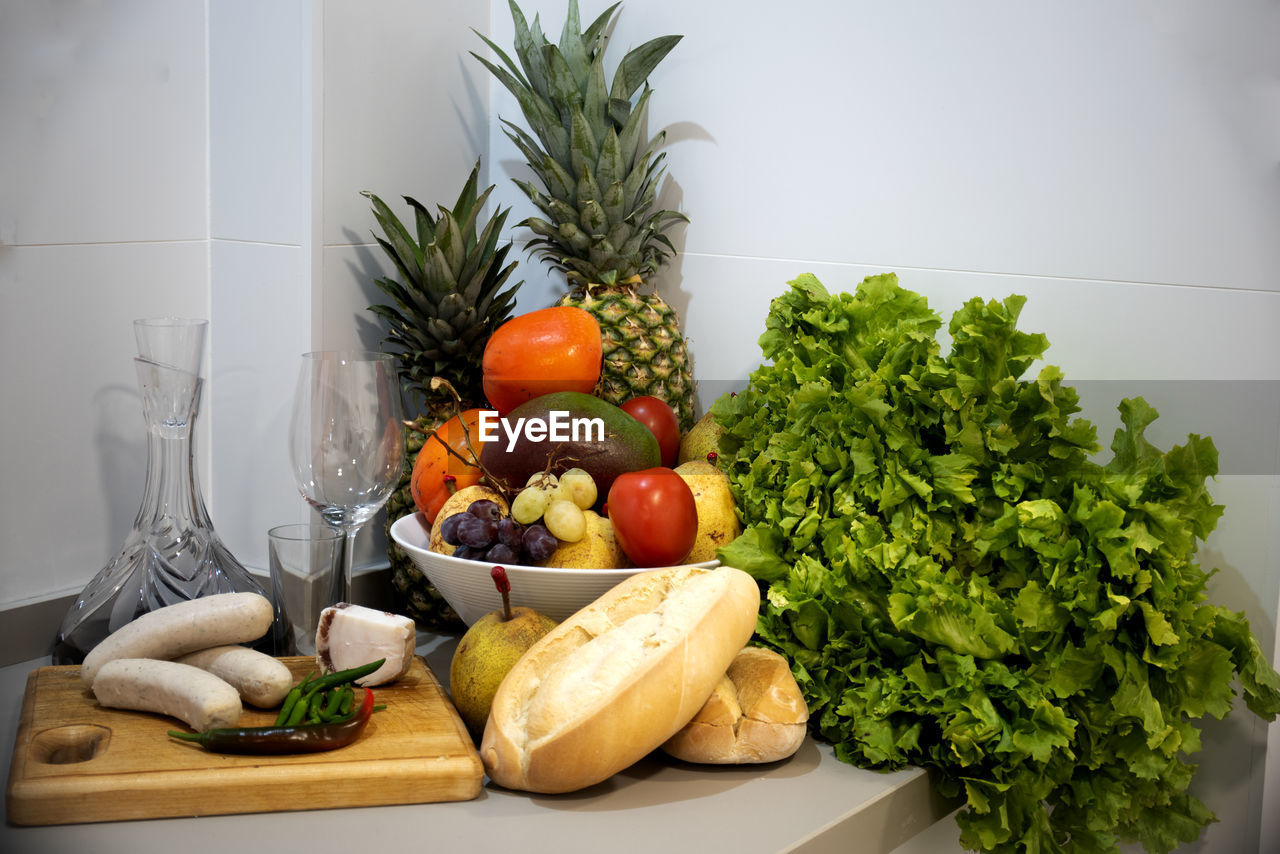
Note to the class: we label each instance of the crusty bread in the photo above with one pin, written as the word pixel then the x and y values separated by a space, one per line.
pixel 614 681
pixel 755 714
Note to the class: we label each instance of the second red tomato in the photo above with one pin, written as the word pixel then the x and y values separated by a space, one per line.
pixel 661 420
pixel 654 516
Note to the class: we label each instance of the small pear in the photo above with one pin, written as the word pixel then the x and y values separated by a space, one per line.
pixel 488 650
pixel 702 439
pixel 458 503
pixel 718 522
pixel 598 549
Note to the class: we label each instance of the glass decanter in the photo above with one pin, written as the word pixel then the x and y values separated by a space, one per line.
pixel 173 553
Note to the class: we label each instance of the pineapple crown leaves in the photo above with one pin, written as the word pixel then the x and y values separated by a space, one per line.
pixel 449 298
pixel 599 175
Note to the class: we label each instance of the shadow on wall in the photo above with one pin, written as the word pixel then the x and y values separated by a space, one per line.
pixel 474 118
pixel 364 270
pixel 1230 588
pixel 122 457
pixel 671 197
pixel 1241 416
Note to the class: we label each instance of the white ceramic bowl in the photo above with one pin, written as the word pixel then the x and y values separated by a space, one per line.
pixel 468 588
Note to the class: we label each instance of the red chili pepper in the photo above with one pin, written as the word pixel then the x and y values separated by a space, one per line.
pixel 273 740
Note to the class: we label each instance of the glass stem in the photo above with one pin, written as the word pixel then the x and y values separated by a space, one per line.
pixel 348 561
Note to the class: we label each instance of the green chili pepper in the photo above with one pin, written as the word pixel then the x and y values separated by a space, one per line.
pixel 274 740
pixel 301 703
pixel 342 677
pixel 298 713
pixel 313 707
pixel 290 700
pixel 332 705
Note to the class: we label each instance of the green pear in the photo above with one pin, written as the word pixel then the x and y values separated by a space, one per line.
pixel 702 439
pixel 486 652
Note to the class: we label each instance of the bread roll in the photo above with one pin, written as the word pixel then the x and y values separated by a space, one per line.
pixel 614 681
pixel 755 714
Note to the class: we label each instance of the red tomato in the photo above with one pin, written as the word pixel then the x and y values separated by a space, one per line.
pixel 437 473
pixel 655 414
pixel 654 516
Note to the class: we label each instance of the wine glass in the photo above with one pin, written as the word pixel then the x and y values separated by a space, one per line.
pixel 346 440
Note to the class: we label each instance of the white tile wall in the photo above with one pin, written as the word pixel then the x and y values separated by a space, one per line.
pixel 71 422
pixel 260 70
pixel 1128 143
pixel 257 287
pixel 104 121
pixel 1096 330
pixel 309 107
pixel 261 82
pixel 102 221
pixel 403 113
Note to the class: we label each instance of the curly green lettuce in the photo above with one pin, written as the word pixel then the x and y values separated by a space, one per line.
pixel 959 585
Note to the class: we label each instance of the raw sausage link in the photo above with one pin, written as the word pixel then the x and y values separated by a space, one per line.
pixel 260 679
pixel 200 699
pixel 174 630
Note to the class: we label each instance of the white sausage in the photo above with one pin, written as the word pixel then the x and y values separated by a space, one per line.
pixel 188 693
pixel 184 627
pixel 260 679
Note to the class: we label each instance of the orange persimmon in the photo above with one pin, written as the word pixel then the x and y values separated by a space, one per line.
pixel 438 472
pixel 544 351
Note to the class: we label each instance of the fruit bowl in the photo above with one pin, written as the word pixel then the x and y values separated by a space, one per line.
pixel 467 587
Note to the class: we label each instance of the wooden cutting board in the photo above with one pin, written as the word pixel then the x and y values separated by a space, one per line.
pixel 76 761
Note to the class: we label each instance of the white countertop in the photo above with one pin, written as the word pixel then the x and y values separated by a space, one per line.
pixel 811 802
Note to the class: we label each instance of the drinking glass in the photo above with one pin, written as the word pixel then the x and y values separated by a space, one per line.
pixel 346 440
pixel 306 578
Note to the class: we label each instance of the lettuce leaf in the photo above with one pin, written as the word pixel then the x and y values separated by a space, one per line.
pixel 960 586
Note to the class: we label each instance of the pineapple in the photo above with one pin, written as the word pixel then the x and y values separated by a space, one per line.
pixel 449 300
pixel 598 181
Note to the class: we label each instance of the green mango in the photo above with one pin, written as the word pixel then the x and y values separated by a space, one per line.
pixel 564 430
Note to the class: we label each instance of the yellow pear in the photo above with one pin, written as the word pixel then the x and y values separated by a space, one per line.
pixel 458 503
pixel 598 549
pixel 718 522
pixel 488 650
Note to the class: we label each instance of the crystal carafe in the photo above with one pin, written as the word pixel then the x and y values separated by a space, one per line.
pixel 173 553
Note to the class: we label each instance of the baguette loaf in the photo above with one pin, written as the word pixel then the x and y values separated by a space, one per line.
pixel 755 714
pixel 614 681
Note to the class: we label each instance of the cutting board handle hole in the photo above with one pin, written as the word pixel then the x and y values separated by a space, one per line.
pixel 67 745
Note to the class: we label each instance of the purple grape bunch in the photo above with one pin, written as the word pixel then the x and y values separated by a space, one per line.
pixel 481 532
